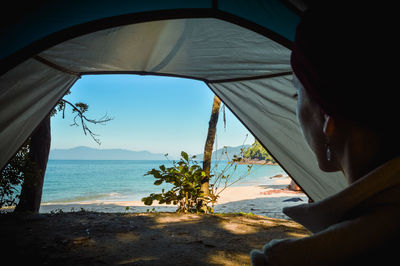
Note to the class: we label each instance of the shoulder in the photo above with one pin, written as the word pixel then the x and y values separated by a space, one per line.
pixel 368 239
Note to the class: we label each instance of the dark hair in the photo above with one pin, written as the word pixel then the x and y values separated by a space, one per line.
pixel 344 57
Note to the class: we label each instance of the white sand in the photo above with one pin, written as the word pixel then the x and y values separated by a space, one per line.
pixel 261 200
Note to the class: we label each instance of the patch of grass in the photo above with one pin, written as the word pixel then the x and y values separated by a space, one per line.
pixel 236 214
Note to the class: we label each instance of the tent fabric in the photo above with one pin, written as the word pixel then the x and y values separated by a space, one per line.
pixel 185 47
pixel 248 69
pixel 28 93
pixel 51 22
pixel 268 108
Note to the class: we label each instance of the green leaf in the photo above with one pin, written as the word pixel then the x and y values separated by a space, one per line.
pixel 158 182
pixel 82 107
pixel 147 200
pixel 185 156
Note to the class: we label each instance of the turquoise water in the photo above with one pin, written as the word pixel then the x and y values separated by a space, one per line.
pixel 76 180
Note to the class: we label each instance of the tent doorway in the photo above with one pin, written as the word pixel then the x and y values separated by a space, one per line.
pixel 248 69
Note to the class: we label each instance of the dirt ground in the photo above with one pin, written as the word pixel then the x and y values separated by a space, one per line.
pixel 91 238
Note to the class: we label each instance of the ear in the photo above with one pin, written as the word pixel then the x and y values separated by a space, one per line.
pixel 329 125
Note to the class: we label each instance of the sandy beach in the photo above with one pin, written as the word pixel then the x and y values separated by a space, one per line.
pixel 265 200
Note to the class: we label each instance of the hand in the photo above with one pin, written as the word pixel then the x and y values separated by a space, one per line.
pixel 260 258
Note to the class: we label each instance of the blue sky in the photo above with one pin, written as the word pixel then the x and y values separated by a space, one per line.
pixel 158 114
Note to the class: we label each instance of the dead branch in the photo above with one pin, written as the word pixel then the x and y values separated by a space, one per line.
pixel 84 120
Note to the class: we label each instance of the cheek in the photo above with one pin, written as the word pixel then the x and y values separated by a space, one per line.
pixel 310 126
pixel 302 114
pixel 311 121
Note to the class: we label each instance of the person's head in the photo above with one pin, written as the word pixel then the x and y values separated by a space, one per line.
pixel 346 97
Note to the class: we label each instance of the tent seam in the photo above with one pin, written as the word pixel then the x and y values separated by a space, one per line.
pixel 56 67
pixel 216 81
pixel 252 77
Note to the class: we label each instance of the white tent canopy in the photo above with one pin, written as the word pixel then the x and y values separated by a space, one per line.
pixel 249 71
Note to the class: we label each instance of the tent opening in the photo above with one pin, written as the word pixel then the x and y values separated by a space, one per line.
pixel 160 114
pixel 248 71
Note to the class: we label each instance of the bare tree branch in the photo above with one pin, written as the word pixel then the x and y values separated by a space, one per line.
pixel 84 120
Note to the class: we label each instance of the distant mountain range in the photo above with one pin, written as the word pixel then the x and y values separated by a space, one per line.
pixel 87 153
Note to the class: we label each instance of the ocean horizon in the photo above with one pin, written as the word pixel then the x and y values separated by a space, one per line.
pixel 69 181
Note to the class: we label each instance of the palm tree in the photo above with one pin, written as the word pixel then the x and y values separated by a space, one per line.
pixel 208 147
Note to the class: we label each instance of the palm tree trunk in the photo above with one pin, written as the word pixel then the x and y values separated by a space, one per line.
pixel 39 148
pixel 208 148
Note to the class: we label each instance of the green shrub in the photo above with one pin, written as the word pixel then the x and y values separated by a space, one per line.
pixel 19 168
pixel 186 177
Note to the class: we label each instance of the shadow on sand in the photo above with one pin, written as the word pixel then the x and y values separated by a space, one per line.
pixel 92 238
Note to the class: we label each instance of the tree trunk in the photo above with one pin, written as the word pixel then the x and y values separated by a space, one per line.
pixel 39 148
pixel 208 148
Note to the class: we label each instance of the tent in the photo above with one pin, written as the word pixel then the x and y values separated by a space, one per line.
pixel 239 48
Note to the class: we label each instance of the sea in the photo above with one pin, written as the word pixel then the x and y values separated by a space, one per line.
pixel 69 181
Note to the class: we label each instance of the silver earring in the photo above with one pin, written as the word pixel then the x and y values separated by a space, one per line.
pixel 328 153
